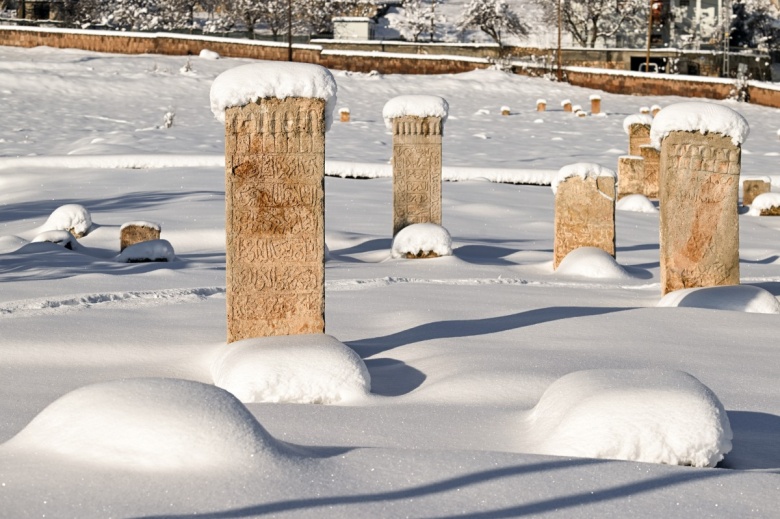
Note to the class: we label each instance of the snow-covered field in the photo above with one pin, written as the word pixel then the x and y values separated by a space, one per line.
pixel 107 400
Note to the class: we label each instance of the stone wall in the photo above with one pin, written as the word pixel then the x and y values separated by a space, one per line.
pixel 647 84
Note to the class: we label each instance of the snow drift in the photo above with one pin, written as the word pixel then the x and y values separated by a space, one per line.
pixel 422 239
pixel 150 424
pixel 738 298
pixel 646 415
pixel 591 262
pixel 303 369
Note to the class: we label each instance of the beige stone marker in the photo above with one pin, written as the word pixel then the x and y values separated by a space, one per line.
pixel 566 105
pixel 137 232
pixel 654 110
pixel 631 175
pixel 652 165
pixel 344 115
pixel 637 127
pixel 699 191
pixel 505 110
pixel 752 188
pixel 595 104
pixel 584 209
pixel 274 192
pixel 541 105
pixel 417 123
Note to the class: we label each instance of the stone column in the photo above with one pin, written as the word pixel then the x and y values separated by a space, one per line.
pixel 595 104
pixel 566 105
pixel 417 165
pixel 275 165
pixel 652 164
pixel 752 188
pixel 584 215
pixel 541 105
pixel 699 223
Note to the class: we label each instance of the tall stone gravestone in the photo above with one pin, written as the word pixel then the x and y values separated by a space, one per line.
pixel 584 209
pixel 631 167
pixel 752 188
pixel 417 122
pixel 700 161
pixel 275 118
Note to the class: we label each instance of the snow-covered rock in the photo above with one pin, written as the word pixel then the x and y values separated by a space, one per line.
pixel 302 369
pixel 697 116
pixel 73 218
pixel 583 170
pixel 738 298
pixel 62 238
pixel 209 54
pixel 415 105
pixel 422 240
pixel 636 203
pixel 150 424
pixel 646 415
pixel 591 262
pixel 265 79
pixel 763 202
pixel 147 251
pixel 636 119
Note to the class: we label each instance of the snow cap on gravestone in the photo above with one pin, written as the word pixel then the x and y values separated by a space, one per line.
pixel 699 117
pixel 583 170
pixel 415 105
pixel 272 79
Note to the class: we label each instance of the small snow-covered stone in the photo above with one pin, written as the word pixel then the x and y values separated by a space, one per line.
pixel 151 424
pixel 636 119
pixel 73 218
pixel 248 83
pixel 699 117
pixel 147 251
pixel 415 105
pixel 764 202
pixel 566 102
pixel 647 415
pixel 636 203
pixel 208 54
pixel 62 238
pixel 422 240
pixel 302 369
pixel 591 262
pixel 738 298
pixel 583 170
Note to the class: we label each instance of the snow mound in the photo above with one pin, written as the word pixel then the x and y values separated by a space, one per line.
pixel 738 298
pixel 636 203
pixel 583 170
pixel 762 202
pixel 209 54
pixel 301 369
pixel 700 117
pixel 632 119
pixel 150 424
pixel 422 240
pixel 248 83
pixel 415 105
pixel 61 238
pixel 591 262
pixel 73 218
pixel 653 416
pixel 152 250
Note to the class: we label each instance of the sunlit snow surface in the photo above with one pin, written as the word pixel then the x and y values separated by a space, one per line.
pixel 459 349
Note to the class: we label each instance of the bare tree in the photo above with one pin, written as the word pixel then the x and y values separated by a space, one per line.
pixel 493 17
pixel 590 20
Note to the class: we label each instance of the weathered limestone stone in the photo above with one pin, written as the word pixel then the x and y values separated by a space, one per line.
pixel 584 215
pixel 652 166
pixel 771 211
pixel 275 166
pixel 566 105
pixel 137 232
pixel 541 105
pixel 752 188
pixel 344 115
pixel 416 170
pixel 581 113
pixel 699 222
pixel 505 110
pixel 638 135
pixel 654 110
pixel 631 175
pixel 595 105
pixel 644 110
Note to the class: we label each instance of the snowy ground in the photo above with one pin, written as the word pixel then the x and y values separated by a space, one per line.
pixel 459 349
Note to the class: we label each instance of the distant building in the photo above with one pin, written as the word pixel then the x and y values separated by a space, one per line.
pixel 353 28
pixel 40 9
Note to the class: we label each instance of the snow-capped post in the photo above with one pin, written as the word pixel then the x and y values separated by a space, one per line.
pixel 584 209
pixel 137 232
pixel 595 104
pixel 505 110
pixel 654 110
pixel 644 110
pixel 651 161
pixel 637 126
pixel 566 105
pixel 752 188
pixel 700 147
pixel 344 115
pixel 276 115
pixel 417 122
pixel 541 105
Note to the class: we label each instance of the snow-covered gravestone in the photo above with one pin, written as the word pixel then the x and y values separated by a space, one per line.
pixel 416 122
pixel 752 188
pixel 700 147
pixel 651 163
pixel 637 127
pixel 137 232
pixel 566 105
pixel 275 115
pixel 541 105
pixel 631 167
pixel 584 209
pixel 595 104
